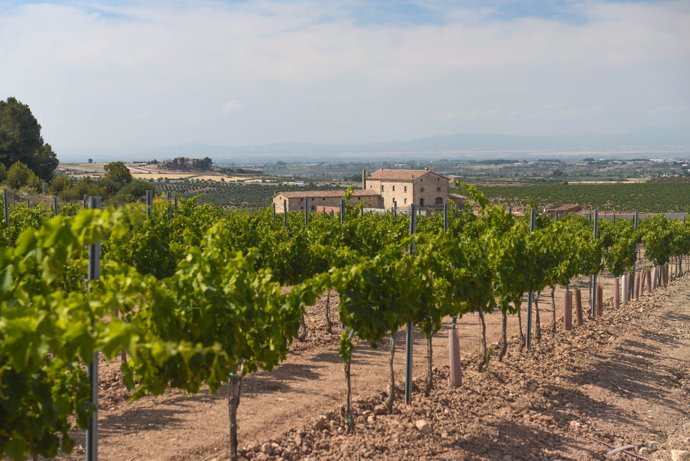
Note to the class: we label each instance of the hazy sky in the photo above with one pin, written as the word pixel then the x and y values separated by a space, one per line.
pixel 158 73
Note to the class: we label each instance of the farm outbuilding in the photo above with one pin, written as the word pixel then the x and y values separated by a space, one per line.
pixel 316 200
pixel 563 210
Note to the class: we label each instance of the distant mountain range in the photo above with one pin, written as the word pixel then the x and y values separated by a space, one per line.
pixel 672 141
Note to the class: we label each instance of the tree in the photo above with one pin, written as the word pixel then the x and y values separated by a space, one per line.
pixel 117 172
pixel 19 175
pixel 59 184
pixel 20 140
pixel 3 172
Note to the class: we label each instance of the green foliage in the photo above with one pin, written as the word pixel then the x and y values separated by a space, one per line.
pixel 657 237
pixel 203 292
pixel 21 141
pixel 20 176
pixel 620 240
pixel 46 333
pixel 377 295
pixel 118 173
pixel 654 197
pixel 59 184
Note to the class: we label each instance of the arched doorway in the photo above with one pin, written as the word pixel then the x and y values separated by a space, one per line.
pixel 438 201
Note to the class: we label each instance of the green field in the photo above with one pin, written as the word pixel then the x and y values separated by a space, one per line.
pixel 235 195
pixel 657 196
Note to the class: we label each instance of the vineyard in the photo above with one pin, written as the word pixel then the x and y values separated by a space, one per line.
pixel 653 196
pixel 251 195
pixel 196 299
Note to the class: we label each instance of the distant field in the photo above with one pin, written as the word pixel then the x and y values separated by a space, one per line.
pixel 150 172
pixel 663 196
pixel 233 194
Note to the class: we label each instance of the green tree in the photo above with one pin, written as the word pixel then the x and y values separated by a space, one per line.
pixel 19 175
pixel 118 173
pixel 21 140
pixel 59 184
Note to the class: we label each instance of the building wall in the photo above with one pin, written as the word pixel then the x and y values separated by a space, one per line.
pixel 404 193
pixel 399 191
pixel 316 203
pixel 430 188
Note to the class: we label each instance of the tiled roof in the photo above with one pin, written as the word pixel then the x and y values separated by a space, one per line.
pixel 400 175
pixel 326 193
pixel 568 207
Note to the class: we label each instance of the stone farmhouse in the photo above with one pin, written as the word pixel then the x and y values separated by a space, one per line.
pixel 402 188
pixel 383 189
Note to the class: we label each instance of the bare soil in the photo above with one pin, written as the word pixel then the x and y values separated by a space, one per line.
pixel 621 379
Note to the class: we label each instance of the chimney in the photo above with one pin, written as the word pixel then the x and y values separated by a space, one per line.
pixel 364 179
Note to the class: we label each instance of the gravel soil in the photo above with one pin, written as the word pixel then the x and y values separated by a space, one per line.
pixel 622 379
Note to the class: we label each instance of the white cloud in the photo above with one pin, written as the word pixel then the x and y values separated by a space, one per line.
pixel 667 110
pixel 309 71
pixel 231 106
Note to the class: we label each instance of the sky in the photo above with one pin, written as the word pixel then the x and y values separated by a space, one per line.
pixel 161 73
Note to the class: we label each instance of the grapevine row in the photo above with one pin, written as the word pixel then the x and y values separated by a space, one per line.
pixel 196 297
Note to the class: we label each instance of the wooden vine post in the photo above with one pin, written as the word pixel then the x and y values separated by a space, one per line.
pixel 568 310
pixel 616 292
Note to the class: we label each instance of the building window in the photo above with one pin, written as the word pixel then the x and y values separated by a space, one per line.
pixel 393 188
pixel 313 208
pixel 301 200
pixel 439 201
pixel 381 187
pixel 438 189
pixel 405 190
pixel 405 201
pixel 421 189
pixel 324 198
pixel 421 202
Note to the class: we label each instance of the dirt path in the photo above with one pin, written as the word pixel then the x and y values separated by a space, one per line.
pixel 311 383
pixel 622 380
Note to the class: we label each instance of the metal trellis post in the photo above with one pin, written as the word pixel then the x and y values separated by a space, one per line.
pixel 149 202
pixel 6 198
pixel 408 337
pixel 285 213
pixel 532 223
pixel 593 307
pixel 94 274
